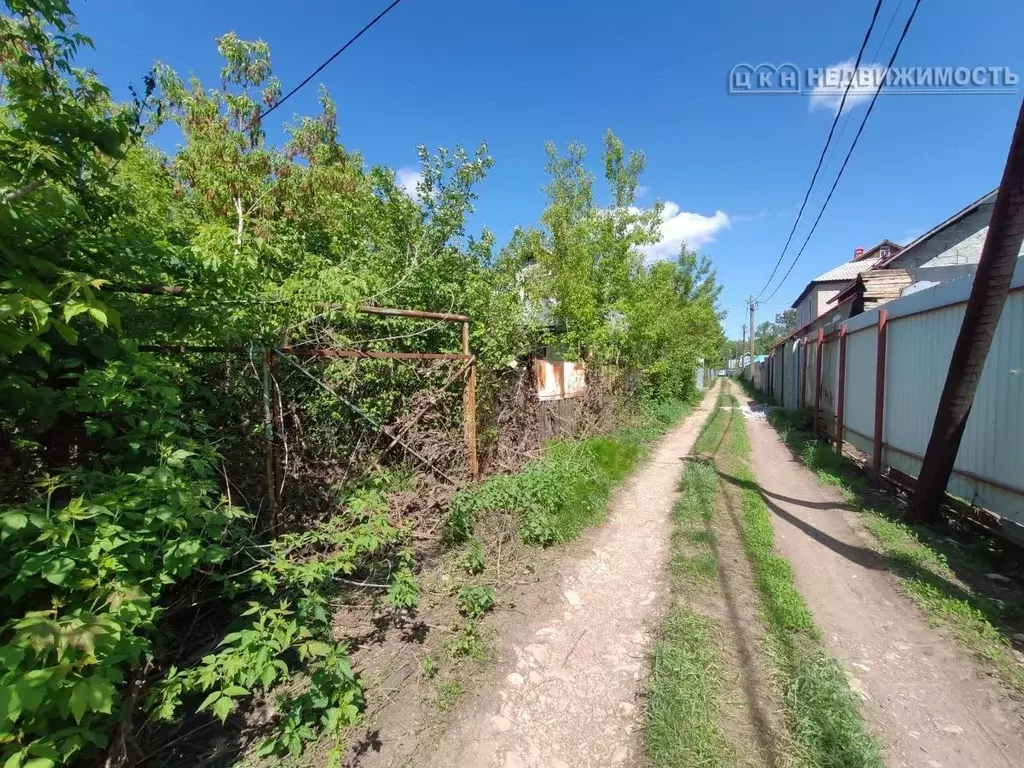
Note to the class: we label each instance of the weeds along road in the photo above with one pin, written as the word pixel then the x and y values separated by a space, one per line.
pixel 564 691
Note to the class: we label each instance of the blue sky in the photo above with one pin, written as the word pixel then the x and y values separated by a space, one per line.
pixel 732 168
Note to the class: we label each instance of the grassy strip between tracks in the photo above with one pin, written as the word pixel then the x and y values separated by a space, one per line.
pixel 688 676
pixel 821 711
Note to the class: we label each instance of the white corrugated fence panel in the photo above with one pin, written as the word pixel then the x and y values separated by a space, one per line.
pixel 917 359
pixel 859 414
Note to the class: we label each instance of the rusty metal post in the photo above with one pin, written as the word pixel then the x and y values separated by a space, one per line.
pixel 817 378
pixel 876 456
pixel 469 407
pixel 841 395
pixel 268 438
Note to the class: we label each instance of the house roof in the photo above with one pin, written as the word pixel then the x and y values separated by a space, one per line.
pixel 873 250
pixel 910 247
pixel 963 213
pixel 841 274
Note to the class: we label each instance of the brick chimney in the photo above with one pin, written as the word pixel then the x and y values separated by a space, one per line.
pixel 858 253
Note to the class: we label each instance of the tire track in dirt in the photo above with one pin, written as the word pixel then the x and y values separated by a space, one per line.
pixel 927 701
pixel 753 724
pixel 565 689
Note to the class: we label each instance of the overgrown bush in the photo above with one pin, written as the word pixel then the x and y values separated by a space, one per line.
pixel 558 495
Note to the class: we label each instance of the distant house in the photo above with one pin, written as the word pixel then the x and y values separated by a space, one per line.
pixel 950 250
pixel 815 298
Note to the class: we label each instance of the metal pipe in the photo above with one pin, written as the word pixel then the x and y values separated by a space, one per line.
pixel 876 457
pixel 391 312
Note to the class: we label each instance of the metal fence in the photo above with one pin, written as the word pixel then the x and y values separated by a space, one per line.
pixel 877 377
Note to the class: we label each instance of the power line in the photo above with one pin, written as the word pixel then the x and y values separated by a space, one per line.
pixel 828 141
pixel 871 106
pixel 333 56
pixel 888 26
pixel 874 57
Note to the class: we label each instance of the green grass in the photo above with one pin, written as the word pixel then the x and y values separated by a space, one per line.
pixel 686 696
pixel 567 489
pixel 448 694
pixel 825 726
pixel 926 564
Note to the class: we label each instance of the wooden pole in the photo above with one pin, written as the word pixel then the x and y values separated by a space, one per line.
pixel 469 407
pixel 841 396
pixel 268 439
pixel 876 456
pixel 817 378
pixel 981 318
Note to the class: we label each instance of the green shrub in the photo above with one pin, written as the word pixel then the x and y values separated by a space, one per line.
pixel 801 419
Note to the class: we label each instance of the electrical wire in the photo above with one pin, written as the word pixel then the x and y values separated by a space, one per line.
pixel 333 56
pixel 824 150
pixel 871 106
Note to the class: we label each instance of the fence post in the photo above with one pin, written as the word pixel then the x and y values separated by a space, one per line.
pixel 876 458
pixel 841 405
pixel 268 438
pixel 469 407
pixel 817 378
pixel 801 400
pixel 782 378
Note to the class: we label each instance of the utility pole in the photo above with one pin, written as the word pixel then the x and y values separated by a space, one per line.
pixel 984 306
pixel 751 335
pixel 743 345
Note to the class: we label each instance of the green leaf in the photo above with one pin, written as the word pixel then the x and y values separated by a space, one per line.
pixel 57 570
pixel 223 708
pixel 235 690
pixel 39 762
pixel 11 656
pixel 79 701
pixel 10 704
pixel 73 309
pixel 12 521
pixel 209 700
pixel 99 316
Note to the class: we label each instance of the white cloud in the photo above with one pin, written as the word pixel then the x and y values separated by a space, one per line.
pixel 407 179
pixel 748 216
pixel 678 227
pixel 828 94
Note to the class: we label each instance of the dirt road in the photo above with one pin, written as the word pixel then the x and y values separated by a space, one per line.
pixel 564 691
pixel 929 703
